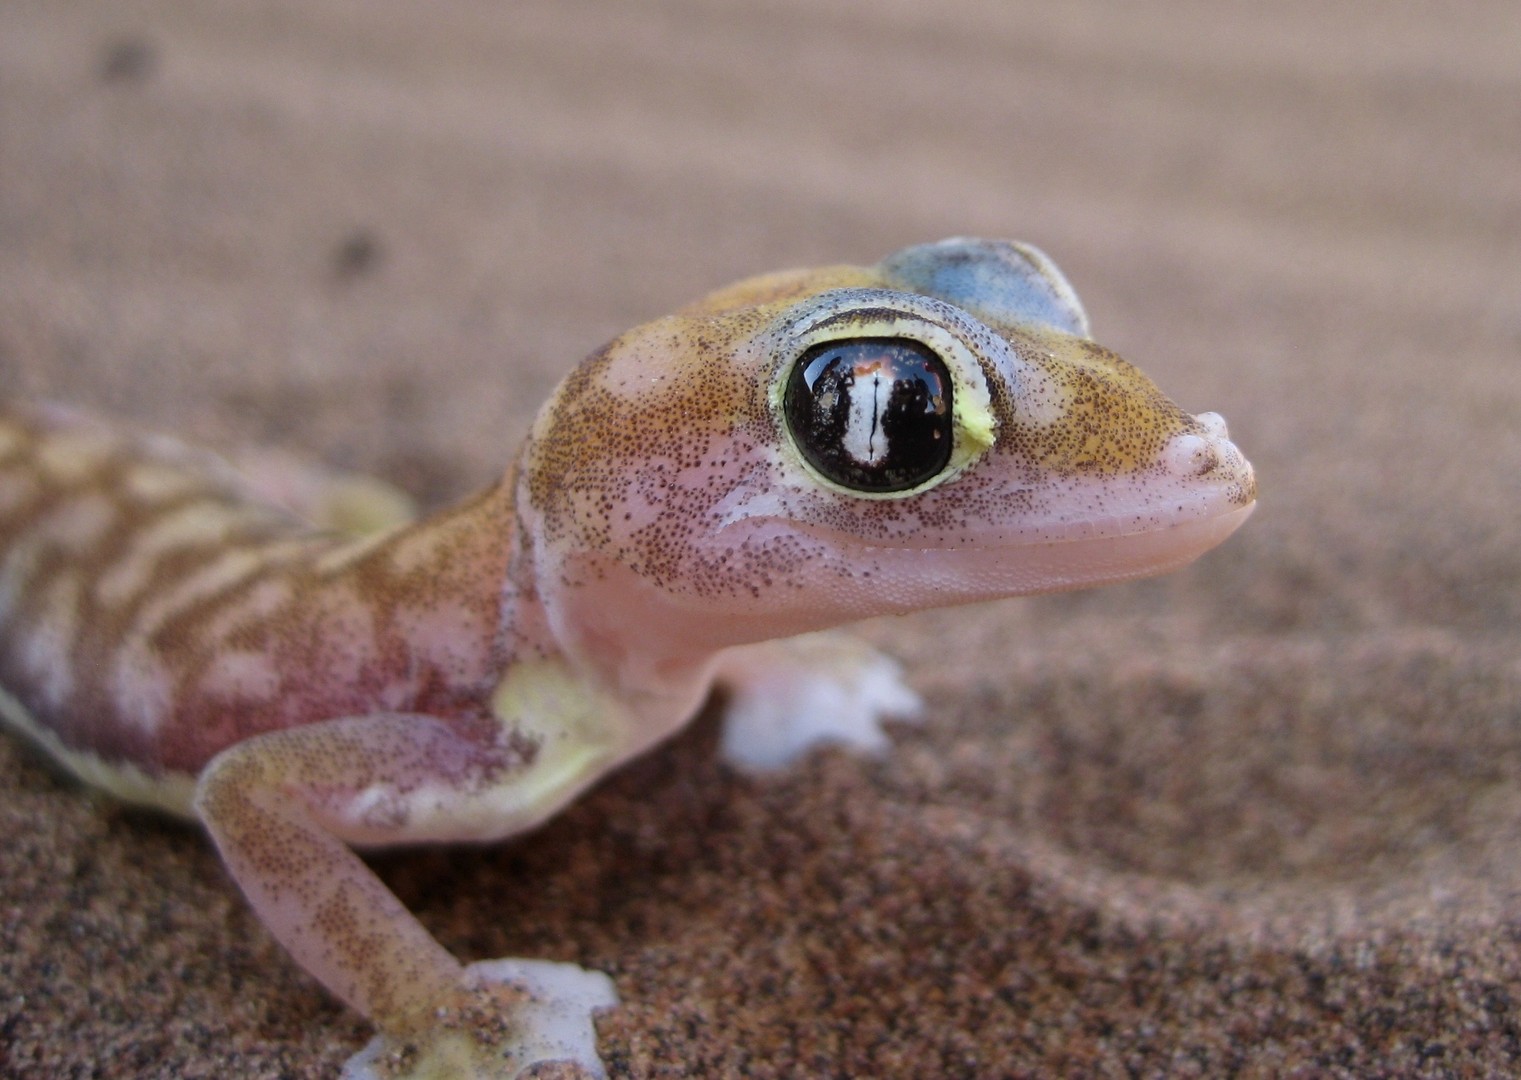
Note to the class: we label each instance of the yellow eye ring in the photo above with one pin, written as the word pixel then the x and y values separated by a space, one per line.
pixel 940 371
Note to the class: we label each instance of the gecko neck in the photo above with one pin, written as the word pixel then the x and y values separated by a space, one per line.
pixel 440 592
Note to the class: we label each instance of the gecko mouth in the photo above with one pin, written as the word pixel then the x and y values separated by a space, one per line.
pixel 1082 561
pixel 906 578
pixel 1112 553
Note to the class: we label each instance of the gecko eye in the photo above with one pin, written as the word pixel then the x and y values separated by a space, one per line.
pixel 871 414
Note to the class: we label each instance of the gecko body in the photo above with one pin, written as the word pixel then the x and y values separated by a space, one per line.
pixel 791 453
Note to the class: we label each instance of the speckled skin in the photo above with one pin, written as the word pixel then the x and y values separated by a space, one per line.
pixel 172 634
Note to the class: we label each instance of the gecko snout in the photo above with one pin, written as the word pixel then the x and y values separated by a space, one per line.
pixel 1208 454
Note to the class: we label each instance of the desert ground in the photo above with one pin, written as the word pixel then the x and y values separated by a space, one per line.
pixel 1261 817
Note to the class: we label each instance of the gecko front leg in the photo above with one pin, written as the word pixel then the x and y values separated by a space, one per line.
pixel 283 808
pixel 786 697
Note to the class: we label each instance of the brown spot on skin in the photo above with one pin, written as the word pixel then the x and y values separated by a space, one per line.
pixel 1113 419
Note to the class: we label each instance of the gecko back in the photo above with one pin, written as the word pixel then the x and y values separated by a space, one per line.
pixel 108 541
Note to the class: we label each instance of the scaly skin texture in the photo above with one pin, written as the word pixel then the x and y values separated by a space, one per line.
pixel 182 634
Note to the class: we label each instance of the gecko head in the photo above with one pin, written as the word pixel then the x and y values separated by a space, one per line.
pixel 809 447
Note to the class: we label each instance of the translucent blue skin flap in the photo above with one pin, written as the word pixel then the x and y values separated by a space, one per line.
pixel 997 281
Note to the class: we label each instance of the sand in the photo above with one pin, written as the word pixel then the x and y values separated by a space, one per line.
pixel 1258 818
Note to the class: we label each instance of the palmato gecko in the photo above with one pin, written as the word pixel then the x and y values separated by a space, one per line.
pixel 795 452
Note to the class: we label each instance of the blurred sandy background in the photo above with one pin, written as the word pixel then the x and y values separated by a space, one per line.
pixel 1261 817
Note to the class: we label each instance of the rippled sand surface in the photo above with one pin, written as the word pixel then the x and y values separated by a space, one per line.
pixel 1262 815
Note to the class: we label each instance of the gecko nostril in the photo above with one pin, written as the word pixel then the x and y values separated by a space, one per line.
pixel 1191 455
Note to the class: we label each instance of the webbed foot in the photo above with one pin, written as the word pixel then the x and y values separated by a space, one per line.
pixel 520 1013
pixel 788 696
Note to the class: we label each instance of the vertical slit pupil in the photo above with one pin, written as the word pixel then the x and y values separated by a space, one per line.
pixel 872 414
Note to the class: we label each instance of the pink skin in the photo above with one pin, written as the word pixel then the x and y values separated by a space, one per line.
pixel 463 677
